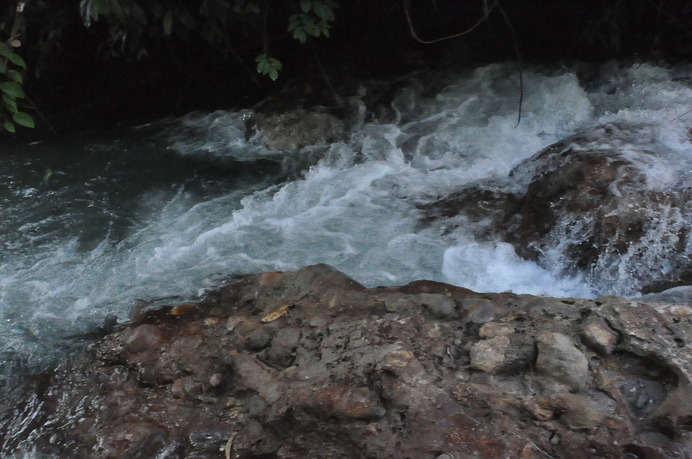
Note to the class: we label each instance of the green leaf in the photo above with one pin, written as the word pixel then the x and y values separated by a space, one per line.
pixel 120 13
pixel 3 66
pixel 305 5
pixel 24 119
pixel 294 22
pixel 10 103
pixel 17 60
pixel 15 76
pixel 268 66
pixel 102 7
pixel 312 29
pixel 9 126
pixel 253 7
pixel 168 23
pixel 12 89
pixel 323 11
pixel 299 34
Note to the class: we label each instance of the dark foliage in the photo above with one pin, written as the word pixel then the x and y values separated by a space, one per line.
pixel 112 60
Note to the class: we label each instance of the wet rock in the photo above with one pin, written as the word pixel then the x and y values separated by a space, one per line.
pixel 424 370
pixel 342 401
pixel 601 211
pixel 292 130
pixel 143 338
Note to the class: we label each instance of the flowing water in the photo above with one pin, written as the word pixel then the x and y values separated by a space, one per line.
pixel 93 222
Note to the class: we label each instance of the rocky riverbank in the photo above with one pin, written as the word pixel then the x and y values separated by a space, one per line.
pixel 312 364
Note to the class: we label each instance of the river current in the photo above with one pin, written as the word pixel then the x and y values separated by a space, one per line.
pixel 96 221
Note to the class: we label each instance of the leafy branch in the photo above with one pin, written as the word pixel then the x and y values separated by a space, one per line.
pixel 268 66
pixel 12 66
pixel 314 20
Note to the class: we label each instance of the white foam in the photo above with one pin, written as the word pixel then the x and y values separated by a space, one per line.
pixel 497 268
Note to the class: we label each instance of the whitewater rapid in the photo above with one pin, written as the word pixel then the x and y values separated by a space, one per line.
pixel 94 222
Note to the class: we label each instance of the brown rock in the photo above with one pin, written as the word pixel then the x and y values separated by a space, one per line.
pixel 343 376
pixel 492 329
pixel 599 336
pixel 343 401
pixel 144 338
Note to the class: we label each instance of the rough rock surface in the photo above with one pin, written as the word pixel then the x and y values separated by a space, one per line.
pixel 299 128
pixel 312 364
pixel 595 199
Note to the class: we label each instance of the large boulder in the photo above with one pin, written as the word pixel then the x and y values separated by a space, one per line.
pixel 312 364
pixel 603 203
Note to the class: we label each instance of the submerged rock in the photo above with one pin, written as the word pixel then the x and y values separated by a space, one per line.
pixel 312 364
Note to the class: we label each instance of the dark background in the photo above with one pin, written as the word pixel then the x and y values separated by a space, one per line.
pixel 75 78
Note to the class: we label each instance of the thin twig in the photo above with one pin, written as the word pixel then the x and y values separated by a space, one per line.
pixel 244 66
pixel 40 113
pixel 324 75
pixel 521 65
pixel 191 79
pixel 677 118
pixel 448 37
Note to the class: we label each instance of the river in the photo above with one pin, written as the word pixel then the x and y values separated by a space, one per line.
pixel 93 222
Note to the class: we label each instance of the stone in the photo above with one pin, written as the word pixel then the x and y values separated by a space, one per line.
pixel 559 359
pixel 439 306
pixel 143 338
pixel 492 329
pixel 599 336
pixel 503 375
pixel 489 354
pixel 292 130
pixel 216 379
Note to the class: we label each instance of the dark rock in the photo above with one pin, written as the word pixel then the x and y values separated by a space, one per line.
pixel 440 306
pixel 424 370
pixel 591 209
pixel 258 340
